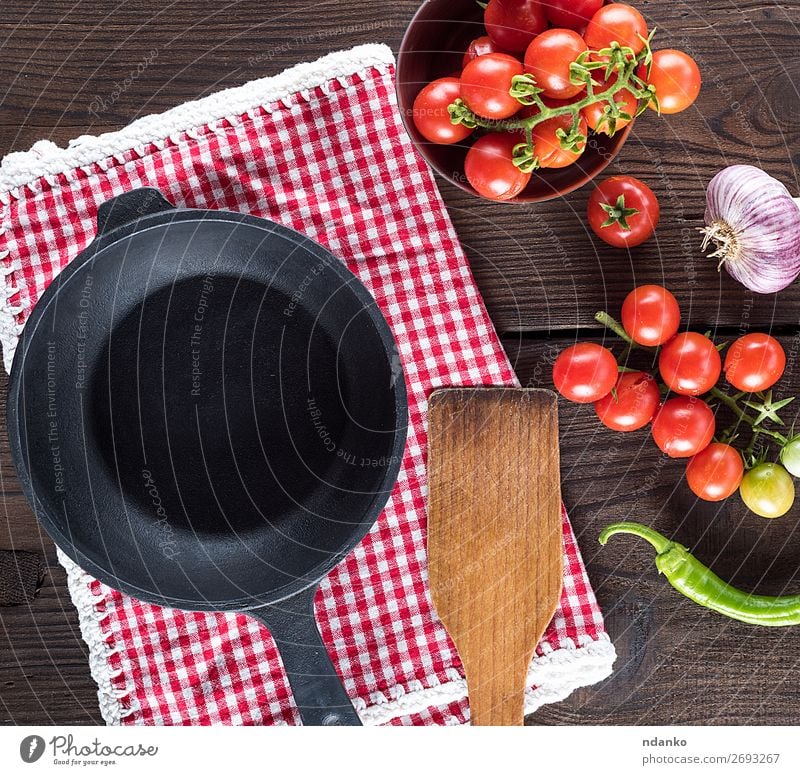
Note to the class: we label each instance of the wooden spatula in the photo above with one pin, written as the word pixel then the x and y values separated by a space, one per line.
pixel 494 535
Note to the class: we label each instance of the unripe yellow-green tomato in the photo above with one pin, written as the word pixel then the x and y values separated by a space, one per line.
pixel 767 490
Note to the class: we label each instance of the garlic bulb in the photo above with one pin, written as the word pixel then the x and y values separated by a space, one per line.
pixel 755 224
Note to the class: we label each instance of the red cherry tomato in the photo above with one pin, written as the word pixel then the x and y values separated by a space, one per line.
pixel 623 211
pixel 547 145
pixel 479 47
pixel 485 83
pixel 650 315
pixel 595 114
pixel 715 473
pixel 676 77
pixel 585 372
pixel 548 59
pixel 690 364
pixel 755 362
pixel 616 22
pixel 489 167
pixel 430 112
pixel 572 14
pixel 513 24
pixel 632 403
pixel 683 426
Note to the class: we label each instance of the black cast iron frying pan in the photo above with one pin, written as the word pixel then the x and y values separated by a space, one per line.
pixel 207 412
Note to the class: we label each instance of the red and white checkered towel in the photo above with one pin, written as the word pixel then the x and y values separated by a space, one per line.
pixel 320 148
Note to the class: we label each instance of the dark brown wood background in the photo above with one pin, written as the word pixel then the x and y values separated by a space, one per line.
pixel 543 277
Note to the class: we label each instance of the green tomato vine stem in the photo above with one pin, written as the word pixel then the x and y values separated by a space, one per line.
pixel 733 405
pixel 621 65
pixel 613 325
pixel 545 113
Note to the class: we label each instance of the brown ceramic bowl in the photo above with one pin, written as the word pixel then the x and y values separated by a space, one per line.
pixel 433 47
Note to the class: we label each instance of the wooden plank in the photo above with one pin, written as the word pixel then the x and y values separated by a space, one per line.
pixel 537 266
pixel 677 663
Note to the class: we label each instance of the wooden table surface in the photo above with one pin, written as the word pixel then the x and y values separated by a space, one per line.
pixel 63 65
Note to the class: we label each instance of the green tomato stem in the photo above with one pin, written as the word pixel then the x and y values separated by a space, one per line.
pixel 622 62
pixel 605 319
pixel 545 112
pixel 733 405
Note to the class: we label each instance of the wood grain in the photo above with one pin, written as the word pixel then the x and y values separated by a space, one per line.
pixel 494 536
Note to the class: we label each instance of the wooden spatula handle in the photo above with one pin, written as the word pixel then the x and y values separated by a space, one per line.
pixel 497 700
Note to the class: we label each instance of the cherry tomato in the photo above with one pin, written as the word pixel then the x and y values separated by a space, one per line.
pixel 616 22
pixel 572 14
pixel 767 490
pixel 676 77
pixel 485 82
pixel 595 114
pixel 547 145
pixel 755 362
pixel 479 47
pixel 690 364
pixel 683 426
pixel 513 24
pixel 650 315
pixel 585 372
pixel 623 211
pixel 548 59
pixel 715 473
pixel 632 403
pixel 790 456
pixel 430 112
pixel 490 170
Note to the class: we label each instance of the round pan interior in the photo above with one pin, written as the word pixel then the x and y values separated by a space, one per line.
pixel 207 411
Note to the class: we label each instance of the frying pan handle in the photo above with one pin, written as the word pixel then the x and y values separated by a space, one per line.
pixel 317 688
pixel 129 207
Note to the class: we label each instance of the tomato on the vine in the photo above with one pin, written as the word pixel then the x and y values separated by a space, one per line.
pixel 690 364
pixel 547 144
pixel 548 59
pixel 616 22
pixel 585 372
pixel 715 473
pixel 431 116
pixel 683 426
pixel 767 490
pixel 755 362
pixel 676 78
pixel 572 14
pixel 478 47
pixel 513 24
pixel 489 167
pixel 631 404
pixel 596 116
pixel 485 83
pixel 650 315
pixel 623 211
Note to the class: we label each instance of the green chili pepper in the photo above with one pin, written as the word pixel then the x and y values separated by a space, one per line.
pixel 697 582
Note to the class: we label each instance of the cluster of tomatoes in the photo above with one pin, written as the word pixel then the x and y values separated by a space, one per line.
pixel 682 423
pixel 537 79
